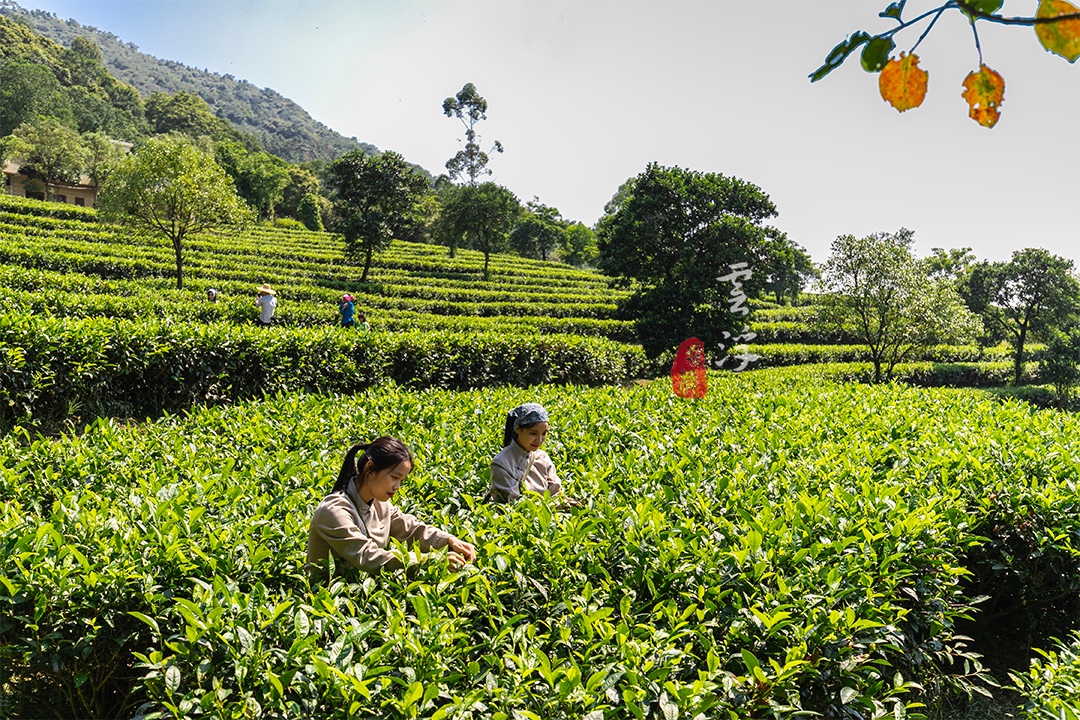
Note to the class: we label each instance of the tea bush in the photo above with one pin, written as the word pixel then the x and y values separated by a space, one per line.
pixel 54 371
pixel 1053 683
pixel 785 545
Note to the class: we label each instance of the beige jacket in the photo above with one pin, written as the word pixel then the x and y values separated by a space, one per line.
pixel 358 533
pixel 516 470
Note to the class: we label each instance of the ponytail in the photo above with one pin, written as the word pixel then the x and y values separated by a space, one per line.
pixel 382 453
pixel 508 429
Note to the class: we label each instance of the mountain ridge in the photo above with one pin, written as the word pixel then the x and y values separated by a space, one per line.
pixel 282 126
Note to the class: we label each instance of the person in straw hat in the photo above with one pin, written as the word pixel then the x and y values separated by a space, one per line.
pixel 266 300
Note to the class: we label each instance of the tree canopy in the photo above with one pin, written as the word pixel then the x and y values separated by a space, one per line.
pixel 375 200
pixel 470 108
pixel 479 216
pixel 172 188
pixel 1031 293
pixel 49 151
pixel 877 291
pixel 539 231
pixel 675 233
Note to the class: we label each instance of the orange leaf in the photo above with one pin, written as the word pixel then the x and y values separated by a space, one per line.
pixel 1063 37
pixel 984 91
pixel 902 83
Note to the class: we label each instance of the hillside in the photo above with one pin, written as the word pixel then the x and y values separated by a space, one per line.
pixel 284 128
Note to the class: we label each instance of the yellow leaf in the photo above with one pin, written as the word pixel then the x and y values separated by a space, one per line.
pixel 1063 37
pixel 984 91
pixel 902 83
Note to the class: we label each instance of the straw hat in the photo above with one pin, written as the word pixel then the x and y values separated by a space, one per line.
pixel 266 290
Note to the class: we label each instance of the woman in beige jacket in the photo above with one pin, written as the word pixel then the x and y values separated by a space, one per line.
pixel 356 520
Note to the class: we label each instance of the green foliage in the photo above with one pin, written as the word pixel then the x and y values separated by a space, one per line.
pixel 27 91
pixel 1059 362
pixel 1031 293
pixel 878 292
pixel 578 245
pixel 39 77
pixel 49 150
pixel 172 188
pixel 64 371
pixel 732 559
pixel 185 114
pixel 788 270
pixel 1052 684
pixel 375 200
pixel 260 178
pixel 470 108
pixel 479 216
pixel 539 231
pixel 280 126
pixel 308 213
pixel 675 233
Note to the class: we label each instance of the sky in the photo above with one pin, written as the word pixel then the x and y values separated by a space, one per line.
pixel 583 94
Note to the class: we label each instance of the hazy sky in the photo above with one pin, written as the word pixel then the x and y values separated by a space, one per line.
pixel 584 93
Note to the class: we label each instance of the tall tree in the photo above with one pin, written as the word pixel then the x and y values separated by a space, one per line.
pixel 470 108
pixel 788 269
pixel 172 188
pixel 877 291
pixel 539 231
pixel 674 234
pixel 482 217
pixel 1031 293
pixel 375 200
pixel 50 151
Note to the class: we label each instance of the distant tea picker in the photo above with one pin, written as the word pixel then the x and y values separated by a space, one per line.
pixel 266 300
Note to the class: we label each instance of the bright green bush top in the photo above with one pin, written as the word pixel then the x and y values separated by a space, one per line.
pixel 785 544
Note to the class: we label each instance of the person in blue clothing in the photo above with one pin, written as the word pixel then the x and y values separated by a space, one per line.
pixel 346 309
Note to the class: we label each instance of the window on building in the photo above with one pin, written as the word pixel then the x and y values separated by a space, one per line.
pixel 80 201
pixel 61 198
pixel 34 195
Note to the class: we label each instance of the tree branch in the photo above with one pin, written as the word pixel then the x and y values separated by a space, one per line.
pixel 974 12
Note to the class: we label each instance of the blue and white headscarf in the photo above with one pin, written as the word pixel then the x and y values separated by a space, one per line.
pixel 528 414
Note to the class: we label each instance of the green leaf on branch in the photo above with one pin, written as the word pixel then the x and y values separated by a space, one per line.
pixel 894 11
pixel 1061 37
pixel 876 54
pixel 839 54
pixel 973 8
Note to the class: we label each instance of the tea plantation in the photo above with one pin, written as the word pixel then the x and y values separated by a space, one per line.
pixel 794 544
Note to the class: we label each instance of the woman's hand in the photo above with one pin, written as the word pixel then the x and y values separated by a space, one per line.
pixel 461 551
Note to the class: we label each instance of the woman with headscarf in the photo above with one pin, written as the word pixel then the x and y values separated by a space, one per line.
pixel 356 520
pixel 522 466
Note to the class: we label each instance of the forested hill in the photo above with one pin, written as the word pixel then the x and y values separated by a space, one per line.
pixel 284 128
